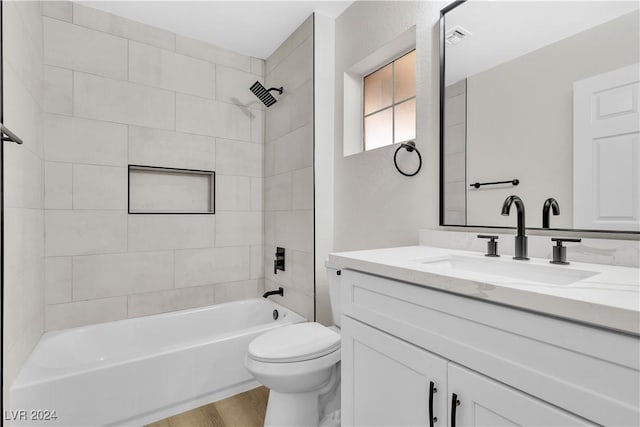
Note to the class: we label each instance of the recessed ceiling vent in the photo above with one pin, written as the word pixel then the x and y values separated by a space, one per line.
pixel 456 35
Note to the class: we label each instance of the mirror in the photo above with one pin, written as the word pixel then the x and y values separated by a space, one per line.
pixel 540 99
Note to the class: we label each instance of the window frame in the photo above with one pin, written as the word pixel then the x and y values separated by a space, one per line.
pixel 391 106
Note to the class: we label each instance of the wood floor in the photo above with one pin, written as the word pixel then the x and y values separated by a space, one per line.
pixel 242 410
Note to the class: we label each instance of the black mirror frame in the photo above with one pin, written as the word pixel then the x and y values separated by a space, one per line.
pixel 441 222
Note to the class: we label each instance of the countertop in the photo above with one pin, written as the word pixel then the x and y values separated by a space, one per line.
pixel 610 298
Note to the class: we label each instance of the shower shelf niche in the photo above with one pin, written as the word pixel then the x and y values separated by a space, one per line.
pixel 163 190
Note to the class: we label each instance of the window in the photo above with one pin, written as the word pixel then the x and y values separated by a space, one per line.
pixel 390 103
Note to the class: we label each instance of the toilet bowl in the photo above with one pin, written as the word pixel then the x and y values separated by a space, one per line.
pixel 300 364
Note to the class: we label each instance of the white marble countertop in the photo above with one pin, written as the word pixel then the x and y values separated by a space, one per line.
pixel 610 298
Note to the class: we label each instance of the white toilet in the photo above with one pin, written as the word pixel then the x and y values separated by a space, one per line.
pixel 300 364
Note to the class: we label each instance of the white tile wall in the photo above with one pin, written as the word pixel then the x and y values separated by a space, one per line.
pixel 233 193
pixel 62 10
pixel 77 48
pixel 110 100
pixel 288 171
pixel 118 92
pixel 153 147
pixel 226 292
pixel 213 118
pixel 24 167
pixel 289 152
pixel 73 314
pixel 197 267
pixel 170 300
pixel 101 276
pixel 238 228
pixel 153 232
pixel 58 280
pixel 303 189
pixel 232 87
pixel 85 232
pixel 89 17
pixel 76 140
pixel 58 185
pixel 278 192
pixel 23 245
pixel 99 187
pixel 215 54
pixel 58 84
pixel 238 158
pixel 168 70
pixel 292 111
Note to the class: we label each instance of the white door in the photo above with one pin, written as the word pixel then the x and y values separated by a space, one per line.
pixel 488 403
pixel 606 151
pixel 388 382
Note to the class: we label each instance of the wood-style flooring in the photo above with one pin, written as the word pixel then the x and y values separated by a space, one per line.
pixel 242 410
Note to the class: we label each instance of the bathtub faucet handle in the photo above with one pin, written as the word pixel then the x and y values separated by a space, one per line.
pixel 278 263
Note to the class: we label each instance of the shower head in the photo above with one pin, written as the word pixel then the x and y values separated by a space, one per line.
pixel 264 95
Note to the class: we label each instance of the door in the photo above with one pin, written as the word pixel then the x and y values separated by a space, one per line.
pixel 488 403
pixel 606 151
pixel 389 382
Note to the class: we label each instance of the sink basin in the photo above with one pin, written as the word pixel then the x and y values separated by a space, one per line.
pixel 520 270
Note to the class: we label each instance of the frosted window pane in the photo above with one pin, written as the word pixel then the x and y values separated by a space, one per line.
pixel 378 90
pixel 405 77
pixel 405 121
pixel 378 129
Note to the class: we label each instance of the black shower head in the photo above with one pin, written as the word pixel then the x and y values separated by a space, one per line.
pixel 264 95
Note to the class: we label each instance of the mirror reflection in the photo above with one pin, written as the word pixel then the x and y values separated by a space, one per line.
pixel 541 101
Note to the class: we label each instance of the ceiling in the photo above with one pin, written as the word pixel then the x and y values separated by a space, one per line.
pixel 254 28
pixel 502 31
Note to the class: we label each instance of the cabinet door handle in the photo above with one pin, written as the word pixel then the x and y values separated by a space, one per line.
pixel 454 405
pixel 432 390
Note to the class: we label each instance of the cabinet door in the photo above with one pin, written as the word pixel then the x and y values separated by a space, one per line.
pixel 387 381
pixel 485 402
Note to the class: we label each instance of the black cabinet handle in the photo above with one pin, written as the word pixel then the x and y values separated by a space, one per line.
pixel 432 390
pixel 454 405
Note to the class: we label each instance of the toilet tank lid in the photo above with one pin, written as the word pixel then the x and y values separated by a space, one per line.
pixel 292 343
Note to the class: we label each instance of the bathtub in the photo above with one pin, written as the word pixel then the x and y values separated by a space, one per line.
pixel 136 371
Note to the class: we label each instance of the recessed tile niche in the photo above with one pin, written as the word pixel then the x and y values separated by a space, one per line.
pixel 159 190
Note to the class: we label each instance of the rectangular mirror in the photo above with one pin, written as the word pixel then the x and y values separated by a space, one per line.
pixel 540 100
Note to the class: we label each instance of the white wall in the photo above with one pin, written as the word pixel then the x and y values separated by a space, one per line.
pixel 375 206
pixel 23 279
pixel 119 92
pixel 520 121
pixel 288 182
pixel 323 101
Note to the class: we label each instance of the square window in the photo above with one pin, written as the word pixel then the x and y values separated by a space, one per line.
pixel 390 103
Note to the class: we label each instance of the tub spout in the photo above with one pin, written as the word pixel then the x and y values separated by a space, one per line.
pixel 280 292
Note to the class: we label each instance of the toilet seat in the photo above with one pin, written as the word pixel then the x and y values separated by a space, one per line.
pixel 294 343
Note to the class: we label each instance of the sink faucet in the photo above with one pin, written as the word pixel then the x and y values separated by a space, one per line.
pixel 521 238
pixel 552 204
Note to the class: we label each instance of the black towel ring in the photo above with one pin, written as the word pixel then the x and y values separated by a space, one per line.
pixel 409 146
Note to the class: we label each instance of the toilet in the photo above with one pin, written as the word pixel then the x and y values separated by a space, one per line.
pixel 300 364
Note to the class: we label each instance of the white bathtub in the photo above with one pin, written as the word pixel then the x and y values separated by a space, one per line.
pixel 136 371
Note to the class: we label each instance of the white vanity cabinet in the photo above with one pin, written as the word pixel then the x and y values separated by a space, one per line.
pixel 505 366
pixel 389 382
pixel 485 402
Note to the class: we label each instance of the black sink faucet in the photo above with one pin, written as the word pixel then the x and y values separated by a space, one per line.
pixel 552 204
pixel 521 239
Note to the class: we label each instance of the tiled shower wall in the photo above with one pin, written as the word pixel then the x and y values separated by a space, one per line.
pixel 23 280
pixel 289 194
pixel 119 92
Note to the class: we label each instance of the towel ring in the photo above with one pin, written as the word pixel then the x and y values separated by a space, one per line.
pixel 409 146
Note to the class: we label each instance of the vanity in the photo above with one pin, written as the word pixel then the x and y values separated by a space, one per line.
pixel 444 337
pixel 534 111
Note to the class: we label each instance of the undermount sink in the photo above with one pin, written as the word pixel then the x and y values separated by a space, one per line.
pixel 510 269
